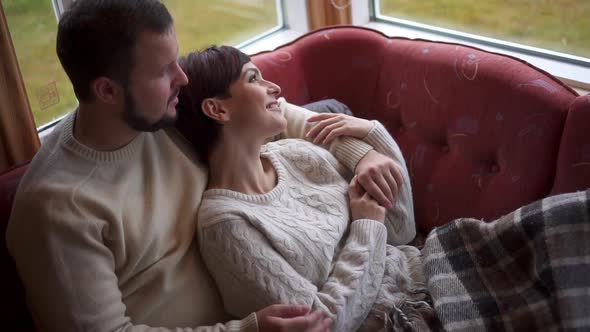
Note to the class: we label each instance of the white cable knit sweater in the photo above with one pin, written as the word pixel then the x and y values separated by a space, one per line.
pixel 106 241
pixel 296 243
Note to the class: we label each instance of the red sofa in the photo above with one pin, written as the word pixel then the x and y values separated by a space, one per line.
pixel 482 133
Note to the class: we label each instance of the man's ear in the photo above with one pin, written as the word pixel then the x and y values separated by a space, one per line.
pixel 215 109
pixel 106 90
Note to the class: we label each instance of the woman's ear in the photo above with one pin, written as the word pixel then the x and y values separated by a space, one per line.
pixel 215 109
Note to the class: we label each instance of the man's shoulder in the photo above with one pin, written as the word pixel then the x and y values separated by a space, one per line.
pixel 51 167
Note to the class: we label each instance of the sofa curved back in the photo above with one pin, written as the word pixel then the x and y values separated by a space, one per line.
pixel 480 131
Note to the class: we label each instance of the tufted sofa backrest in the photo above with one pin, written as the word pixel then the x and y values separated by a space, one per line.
pixel 480 131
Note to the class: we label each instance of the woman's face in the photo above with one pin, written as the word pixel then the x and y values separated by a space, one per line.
pixel 253 104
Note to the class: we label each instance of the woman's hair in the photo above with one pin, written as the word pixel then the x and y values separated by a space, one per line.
pixel 210 73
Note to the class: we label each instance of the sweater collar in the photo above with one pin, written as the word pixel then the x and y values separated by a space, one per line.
pixel 72 144
pixel 268 197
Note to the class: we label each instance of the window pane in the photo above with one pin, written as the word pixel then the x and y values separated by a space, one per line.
pixel 200 23
pixel 557 25
pixel 33 28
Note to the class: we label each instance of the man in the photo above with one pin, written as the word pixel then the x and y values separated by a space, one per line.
pixel 103 226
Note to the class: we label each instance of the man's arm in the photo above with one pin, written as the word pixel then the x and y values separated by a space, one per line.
pixel 348 150
pixel 378 174
pixel 390 175
pixel 400 222
pixel 68 274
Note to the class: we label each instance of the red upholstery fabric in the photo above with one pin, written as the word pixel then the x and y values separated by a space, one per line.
pixel 15 316
pixel 573 163
pixel 480 131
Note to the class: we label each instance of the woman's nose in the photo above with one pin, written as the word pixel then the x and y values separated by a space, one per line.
pixel 273 89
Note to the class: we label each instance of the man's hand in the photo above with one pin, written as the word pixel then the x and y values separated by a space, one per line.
pixel 363 206
pixel 380 177
pixel 291 318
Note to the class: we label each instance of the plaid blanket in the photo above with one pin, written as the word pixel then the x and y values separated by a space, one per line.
pixel 527 271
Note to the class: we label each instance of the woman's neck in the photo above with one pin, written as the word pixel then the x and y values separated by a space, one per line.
pixel 238 166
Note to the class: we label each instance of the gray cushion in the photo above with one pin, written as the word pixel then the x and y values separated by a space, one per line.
pixel 328 106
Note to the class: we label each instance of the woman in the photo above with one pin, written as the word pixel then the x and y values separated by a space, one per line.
pixel 274 223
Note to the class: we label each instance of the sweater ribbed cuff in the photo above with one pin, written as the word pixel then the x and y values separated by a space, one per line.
pixel 349 151
pixel 248 324
pixel 366 229
pixel 379 138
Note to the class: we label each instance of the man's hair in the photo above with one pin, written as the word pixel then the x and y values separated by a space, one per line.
pixel 210 73
pixel 97 38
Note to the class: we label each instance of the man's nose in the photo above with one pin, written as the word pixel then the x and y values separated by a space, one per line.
pixel 181 78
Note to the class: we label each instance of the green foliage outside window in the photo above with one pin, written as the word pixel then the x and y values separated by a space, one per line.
pixel 557 25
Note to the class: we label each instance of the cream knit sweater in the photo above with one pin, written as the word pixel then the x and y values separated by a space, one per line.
pixel 105 241
pixel 296 243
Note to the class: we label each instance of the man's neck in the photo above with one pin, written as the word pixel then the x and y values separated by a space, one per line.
pixel 100 130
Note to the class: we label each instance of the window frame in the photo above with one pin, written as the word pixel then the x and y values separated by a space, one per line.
pixel 474 38
pixel 573 73
pixel 60 6
pixel 276 36
pixel 296 23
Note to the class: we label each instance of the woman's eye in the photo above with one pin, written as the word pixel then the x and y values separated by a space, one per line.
pixel 253 78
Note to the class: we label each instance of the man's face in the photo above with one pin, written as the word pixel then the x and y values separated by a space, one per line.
pixel 154 82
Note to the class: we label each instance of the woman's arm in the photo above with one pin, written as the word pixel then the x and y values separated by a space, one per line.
pixel 251 274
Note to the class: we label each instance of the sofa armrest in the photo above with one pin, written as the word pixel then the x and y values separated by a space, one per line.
pixel 16 316
pixel 573 161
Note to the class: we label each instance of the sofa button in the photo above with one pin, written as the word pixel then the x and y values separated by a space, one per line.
pixel 445 149
pixel 495 168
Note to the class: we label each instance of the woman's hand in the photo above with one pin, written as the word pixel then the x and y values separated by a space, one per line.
pixel 362 205
pixel 291 318
pixel 330 125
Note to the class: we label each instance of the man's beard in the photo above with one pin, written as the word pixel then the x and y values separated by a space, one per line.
pixel 136 121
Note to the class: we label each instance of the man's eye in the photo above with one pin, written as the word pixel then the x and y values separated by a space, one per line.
pixel 253 78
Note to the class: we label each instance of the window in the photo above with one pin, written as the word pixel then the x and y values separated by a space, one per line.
pixel 200 23
pixel 33 27
pixel 554 29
